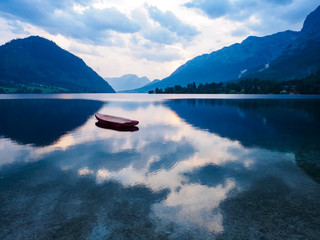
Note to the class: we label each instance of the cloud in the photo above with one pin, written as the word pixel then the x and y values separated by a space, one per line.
pixel 108 19
pixel 239 32
pixel 161 35
pixel 259 15
pixel 163 27
pixel 213 9
pixel 169 21
pixel 234 9
pixel 155 52
pixel 280 2
pixel 17 28
pixel 82 21
pixel 59 17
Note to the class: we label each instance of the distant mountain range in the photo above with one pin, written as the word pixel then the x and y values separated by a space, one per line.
pixel 127 82
pixel 143 89
pixel 281 56
pixel 35 63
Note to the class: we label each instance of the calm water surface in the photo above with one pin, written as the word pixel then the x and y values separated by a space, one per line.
pixel 198 167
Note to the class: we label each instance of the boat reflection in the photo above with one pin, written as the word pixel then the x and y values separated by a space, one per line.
pixel 119 129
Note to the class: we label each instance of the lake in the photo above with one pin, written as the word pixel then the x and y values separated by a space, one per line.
pixel 197 167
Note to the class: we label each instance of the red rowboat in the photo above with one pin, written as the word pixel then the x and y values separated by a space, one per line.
pixel 115 121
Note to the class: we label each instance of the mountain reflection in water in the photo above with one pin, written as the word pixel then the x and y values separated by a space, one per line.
pixel 43 121
pixel 196 169
pixel 279 125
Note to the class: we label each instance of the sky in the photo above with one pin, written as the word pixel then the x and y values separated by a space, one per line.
pixel 147 38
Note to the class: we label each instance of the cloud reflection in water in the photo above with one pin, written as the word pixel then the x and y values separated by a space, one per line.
pixel 166 153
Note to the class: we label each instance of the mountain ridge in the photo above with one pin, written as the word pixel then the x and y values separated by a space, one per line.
pixel 36 61
pixel 301 58
pixel 254 57
pixel 127 82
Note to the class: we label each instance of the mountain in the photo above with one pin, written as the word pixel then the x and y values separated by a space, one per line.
pixel 311 26
pixel 127 82
pixel 230 62
pixel 37 63
pixel 145 88
pixel 282 56
pixel 300 59
pixel 153 82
